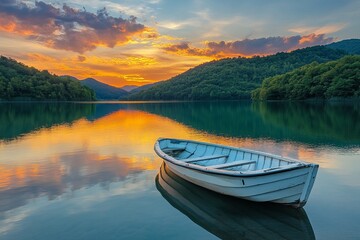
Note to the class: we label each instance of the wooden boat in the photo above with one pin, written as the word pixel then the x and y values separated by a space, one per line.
pixel 237 172
pixel 232 218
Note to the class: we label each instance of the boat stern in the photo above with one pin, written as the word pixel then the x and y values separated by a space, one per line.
pixel 313 169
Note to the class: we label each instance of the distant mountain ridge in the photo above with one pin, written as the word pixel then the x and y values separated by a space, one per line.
pixel 104 91
pixel 129 88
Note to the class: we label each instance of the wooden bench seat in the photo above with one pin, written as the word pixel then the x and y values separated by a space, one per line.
pixel 231 164
pixel 171 149
pixel 190 160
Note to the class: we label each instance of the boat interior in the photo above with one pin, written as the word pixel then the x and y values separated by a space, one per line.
pixel 222 157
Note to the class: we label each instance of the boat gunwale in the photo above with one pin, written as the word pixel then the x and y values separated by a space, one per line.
pixel 285 168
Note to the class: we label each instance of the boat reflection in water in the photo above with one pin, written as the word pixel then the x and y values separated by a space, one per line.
pixel 232 218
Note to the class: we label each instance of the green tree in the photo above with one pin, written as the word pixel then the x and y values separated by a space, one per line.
pixel 18 80
pixel 339 78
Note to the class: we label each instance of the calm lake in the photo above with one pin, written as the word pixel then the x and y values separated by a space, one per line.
pixel 88 170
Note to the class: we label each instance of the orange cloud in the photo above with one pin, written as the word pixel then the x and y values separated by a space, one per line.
pixel 327 29
pixel 7 24
pixel 250 47
pixel 67 28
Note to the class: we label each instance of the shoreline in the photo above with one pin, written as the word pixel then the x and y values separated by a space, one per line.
pixel 331 100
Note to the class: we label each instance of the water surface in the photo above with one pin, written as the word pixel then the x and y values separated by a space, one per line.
pixel 88 170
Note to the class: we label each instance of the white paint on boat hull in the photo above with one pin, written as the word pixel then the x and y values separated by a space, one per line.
pixel 282 188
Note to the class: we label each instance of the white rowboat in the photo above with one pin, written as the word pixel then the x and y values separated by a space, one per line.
pixel 243 173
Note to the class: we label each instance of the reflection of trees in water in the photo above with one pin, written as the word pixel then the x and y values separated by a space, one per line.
pixel 311 123
pixel 220 118
pixel 316 120
pixel 232 218
pixel 21 118
pixel 68 172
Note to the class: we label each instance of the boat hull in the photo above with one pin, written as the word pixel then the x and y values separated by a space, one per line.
pixel 290 187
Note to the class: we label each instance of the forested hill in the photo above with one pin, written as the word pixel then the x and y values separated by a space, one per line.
pixel 233 78
pixel 340 78
pixel 351 46
pixel 18 81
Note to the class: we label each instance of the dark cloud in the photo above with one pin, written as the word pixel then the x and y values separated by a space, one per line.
pixel 152 35
pixel 186 49
pixel 81 58
pixel 270 45
pixel 66 28
pixel 250 47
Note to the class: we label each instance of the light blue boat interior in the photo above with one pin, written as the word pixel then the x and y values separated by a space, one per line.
pixel 222 157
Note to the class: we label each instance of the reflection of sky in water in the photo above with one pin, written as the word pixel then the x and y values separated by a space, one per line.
pixel 95 179
pixel 334 204
pixel 119 212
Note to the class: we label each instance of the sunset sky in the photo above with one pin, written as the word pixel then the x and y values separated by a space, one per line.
pixel 134 42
